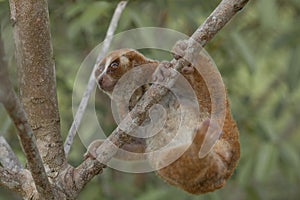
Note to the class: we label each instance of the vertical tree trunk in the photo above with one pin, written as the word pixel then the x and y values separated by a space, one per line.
pixel 36 76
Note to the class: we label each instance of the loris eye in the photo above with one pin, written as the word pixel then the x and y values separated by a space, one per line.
pixel 114 64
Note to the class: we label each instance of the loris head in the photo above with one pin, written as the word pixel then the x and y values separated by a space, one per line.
pixel 114 65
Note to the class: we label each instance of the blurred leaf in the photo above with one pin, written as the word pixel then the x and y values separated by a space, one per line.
pixel 268 12
pixel 288 38
pixel 244 50
pixel 86 20
pixel 252 193
pixel 264 162
pixel 93 12
pixel 245 171
pixel 153 194
pixel 289 155
pixel 136 18
pixel 74 9
pixel 280 107
pixel 293 70
pixel 265 131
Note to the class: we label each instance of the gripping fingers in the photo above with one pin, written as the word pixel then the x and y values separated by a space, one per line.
pixel 162 71
pixel 178 51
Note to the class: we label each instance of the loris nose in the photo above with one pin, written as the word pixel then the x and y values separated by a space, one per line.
pixel 106 83
pixel 100 81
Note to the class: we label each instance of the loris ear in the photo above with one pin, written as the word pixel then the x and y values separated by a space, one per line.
pixel 135 57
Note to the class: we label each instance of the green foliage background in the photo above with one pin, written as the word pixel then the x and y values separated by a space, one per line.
pixel 258 55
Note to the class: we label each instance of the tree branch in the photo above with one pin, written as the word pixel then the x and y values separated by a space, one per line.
pixel 219 17
pixel 36 77
pixel 7 157
pixel 10 180
pixel 217 20
pixel 20 182
pixel 15 110
pixel 91 83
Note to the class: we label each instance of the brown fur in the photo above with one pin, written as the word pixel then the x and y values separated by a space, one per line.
pixel 188 172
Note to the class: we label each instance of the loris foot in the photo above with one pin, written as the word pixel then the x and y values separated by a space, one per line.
pixel 132 151
pixel 162 72
pixel 179 51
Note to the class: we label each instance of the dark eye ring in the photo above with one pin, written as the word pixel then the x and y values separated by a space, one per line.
pixel 114 64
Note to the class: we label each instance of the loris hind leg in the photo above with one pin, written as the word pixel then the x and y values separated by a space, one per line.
pixel 180 50
pixel 131 151
pixel 193 174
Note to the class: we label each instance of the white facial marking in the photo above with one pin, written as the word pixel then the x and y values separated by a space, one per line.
pixel 105 68
pixel 124 60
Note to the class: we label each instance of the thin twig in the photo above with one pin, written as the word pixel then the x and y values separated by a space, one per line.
pixel 219 17
pixel 91 83
pixel 7 157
